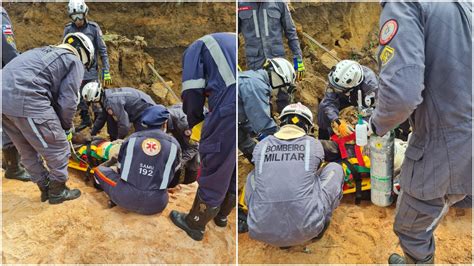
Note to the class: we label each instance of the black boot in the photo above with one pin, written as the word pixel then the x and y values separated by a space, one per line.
pixel 59 192
pixel 242 221
pixel 226 207
pixel 398 259
pixel 12 166
pixel 194 223
pixel 86 120
pixel 44 188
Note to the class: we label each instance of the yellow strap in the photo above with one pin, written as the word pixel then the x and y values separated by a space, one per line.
pixel 196 132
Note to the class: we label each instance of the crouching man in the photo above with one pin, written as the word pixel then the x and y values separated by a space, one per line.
pixel 147 160
pixel 289 196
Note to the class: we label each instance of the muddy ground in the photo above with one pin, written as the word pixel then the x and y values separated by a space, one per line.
pixel 85 230
pixel 357 234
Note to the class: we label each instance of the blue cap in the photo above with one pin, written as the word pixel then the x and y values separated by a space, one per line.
pixel 155 116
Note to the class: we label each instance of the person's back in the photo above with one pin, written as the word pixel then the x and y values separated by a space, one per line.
pixel 133 101
pixel 32 81
pixel 286 191
pixel 289 198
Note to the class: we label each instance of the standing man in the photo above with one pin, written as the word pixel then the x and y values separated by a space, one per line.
pixel 10 155
pixel 262 25
pixel 121 107
pixel 255 90
pixel 425 58
pixel 209 69
pixel 40 91
pixel 77 11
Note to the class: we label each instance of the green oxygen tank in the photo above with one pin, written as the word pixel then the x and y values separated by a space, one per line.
pixel 381 168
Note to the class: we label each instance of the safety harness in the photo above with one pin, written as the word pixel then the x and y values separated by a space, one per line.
pixel 354 167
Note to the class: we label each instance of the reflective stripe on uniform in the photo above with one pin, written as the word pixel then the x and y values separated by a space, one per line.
pixel 35 129
pixel 193 84
pixel 169 163
pixel 103 177
pixel 449 200
pixel 220 60
pixel 128 159
pixel 328 177
pixel 262 157
pixel 255 23
pixel 306 156
pixel 265 22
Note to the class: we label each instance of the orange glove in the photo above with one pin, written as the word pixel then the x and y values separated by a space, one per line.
pixel 342 127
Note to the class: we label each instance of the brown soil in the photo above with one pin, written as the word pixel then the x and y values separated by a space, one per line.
pixel 363 233
pixel 87 231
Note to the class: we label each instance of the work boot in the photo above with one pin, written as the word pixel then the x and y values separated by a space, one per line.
pixel 12 166
pixel 194 223
pixel 85 120
pixel 226 207
pixel 242 221
pixel 398 259
pixel 44 188
pixel 59 192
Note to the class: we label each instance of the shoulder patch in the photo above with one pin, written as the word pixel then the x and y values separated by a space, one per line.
pixel 7 29
pixel 388 31
pixel 151 146
pixel 386 55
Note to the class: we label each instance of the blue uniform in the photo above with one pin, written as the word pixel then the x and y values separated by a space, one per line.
pixel 120 108
pixel 39 96
pixel 148 160
pixel 178 126
pixel 8 53
pixel 263 25
pixel 333 101
pixel 254 109
pixel 425 75
pixel 209 69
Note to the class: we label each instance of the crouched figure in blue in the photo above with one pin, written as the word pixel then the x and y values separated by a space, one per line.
pixel 209 70
pixel 148 160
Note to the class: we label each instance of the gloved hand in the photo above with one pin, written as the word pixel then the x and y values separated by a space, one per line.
pixel 342 127
pixel 106 77
pixel 68 134
pixel 299 68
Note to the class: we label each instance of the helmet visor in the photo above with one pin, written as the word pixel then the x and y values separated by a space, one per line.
pixel 79 16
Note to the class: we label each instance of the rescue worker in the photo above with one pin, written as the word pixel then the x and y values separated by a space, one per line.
pixel 255 90
pixel 120 107
pixel 290 197
pixel 40 91
pixel 147 160
pixel 10 155
pixel 425 64
pixel 179 128
pixel 209 69
pixel 77 11
pixel 346 78
pixel 262 25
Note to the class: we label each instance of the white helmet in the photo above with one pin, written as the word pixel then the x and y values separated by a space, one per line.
pixel 281 73
pixel 346 75
pixel 92 91
pixel 297 109
pixel 83 45
pixel 77 7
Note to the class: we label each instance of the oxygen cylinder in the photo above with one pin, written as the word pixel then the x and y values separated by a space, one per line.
pixel 381 168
